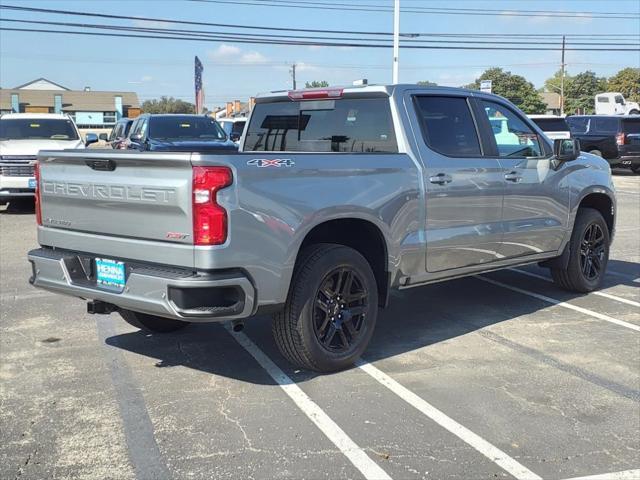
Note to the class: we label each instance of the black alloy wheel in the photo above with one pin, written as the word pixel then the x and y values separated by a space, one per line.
pixel 340 309
pixel 592 252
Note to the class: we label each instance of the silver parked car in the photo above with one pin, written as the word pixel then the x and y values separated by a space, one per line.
pixel 337 196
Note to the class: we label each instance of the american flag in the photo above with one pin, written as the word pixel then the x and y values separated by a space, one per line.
pixel 199 89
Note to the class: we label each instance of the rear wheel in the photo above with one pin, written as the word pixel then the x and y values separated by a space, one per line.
pixel 635 169
pixel 589 253
pixel 151 323
pixel 331 311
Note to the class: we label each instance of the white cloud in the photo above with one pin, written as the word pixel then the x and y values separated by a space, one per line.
pixel 144 79
pixel 305 67
pixel 225 51
pixel 253 57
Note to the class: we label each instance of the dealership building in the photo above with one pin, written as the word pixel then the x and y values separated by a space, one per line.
pixel 91 110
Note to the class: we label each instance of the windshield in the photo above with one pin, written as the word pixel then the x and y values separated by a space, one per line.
pixel 551 124
pixel 37 129
pixel 185 128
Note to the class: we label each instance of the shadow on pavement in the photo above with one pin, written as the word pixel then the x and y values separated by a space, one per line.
pixel 415 318
pixel 23 206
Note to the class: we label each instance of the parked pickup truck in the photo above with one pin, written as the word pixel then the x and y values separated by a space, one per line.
pixel 336 196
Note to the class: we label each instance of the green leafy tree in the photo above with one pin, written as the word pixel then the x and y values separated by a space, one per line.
pixel 580 92
pixel 554 84
pixel 316 84
pixel 427 83
pixel 513 87
pixel 167 105
pixel 627 82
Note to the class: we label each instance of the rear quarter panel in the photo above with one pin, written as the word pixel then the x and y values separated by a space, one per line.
pixel 272 209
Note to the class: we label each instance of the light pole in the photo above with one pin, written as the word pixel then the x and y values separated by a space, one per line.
pixel 396 39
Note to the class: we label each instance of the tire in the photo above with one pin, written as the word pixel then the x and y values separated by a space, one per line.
pixel 319 328
pixel 596 152
pixel 151 323
pixel 636 169
pixel 587 259
pixel 634 112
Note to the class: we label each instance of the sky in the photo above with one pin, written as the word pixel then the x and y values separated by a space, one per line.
pixel 152 68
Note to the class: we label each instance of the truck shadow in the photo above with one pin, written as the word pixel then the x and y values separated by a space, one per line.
pixel 414 320
pixel 24 206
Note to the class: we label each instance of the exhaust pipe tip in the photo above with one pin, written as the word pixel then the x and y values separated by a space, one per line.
pixel 237 325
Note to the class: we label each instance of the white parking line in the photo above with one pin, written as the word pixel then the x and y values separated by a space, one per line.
pixel 355 454
pixel 591 313
pixel 490 451
pixel 600 294
pixel 625 475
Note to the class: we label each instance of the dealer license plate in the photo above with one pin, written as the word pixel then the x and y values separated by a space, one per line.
pixel 110 273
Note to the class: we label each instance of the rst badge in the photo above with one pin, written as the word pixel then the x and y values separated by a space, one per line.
pixel 271 162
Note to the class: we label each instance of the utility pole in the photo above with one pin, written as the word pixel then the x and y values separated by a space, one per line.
pixel 562 79
pixel 396 39
pixel 293 74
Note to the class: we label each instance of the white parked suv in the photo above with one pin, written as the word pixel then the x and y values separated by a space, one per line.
pixel 22 136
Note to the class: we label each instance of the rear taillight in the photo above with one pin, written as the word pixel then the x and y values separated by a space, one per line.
pixel 620 138
pixel 36 172
pixel 315 94
pixel 209 218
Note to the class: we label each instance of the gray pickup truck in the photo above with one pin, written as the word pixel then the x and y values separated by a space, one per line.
pixel 335 197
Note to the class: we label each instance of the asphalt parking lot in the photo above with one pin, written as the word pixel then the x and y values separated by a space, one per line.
pixel 498 376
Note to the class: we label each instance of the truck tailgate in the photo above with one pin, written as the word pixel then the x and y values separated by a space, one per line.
pixel 140 196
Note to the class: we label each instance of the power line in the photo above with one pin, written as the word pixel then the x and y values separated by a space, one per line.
pixel 290 29
pixel 283 63
pixel 310 43
pixel 425 10
pixel 224 35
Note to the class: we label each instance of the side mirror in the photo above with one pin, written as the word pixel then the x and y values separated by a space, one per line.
pixel 103 136
pixel 566 150
pixel 136 137
pixel 90 138
pixel 234 137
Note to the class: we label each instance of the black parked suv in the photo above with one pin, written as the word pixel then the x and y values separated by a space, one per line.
pixel 178 133
pixel 616 138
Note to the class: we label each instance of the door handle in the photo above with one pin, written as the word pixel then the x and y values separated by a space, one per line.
pixel 441 179
pixel 512 177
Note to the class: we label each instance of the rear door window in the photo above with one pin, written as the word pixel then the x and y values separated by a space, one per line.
pixel 578 124
pixel 604 125
pixel 347 126
pixel 448 126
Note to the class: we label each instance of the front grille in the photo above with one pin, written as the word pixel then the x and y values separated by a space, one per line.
pixel 17 165
pixel 16 170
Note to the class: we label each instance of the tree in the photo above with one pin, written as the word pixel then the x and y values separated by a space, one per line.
pixel 580 92
pixel 427 83
pixel 167 105
pixel 513 87
pixel 627 82
pixel 316 84
pixel 554 84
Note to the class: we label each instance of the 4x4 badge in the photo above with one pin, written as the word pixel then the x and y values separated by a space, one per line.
pixel 271 162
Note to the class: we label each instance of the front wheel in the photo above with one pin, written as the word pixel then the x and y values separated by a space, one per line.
pixel 331 311
pixel 595 152
pixel 152 323
pixel 635 169
pixel 588 253
pixel 634 112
